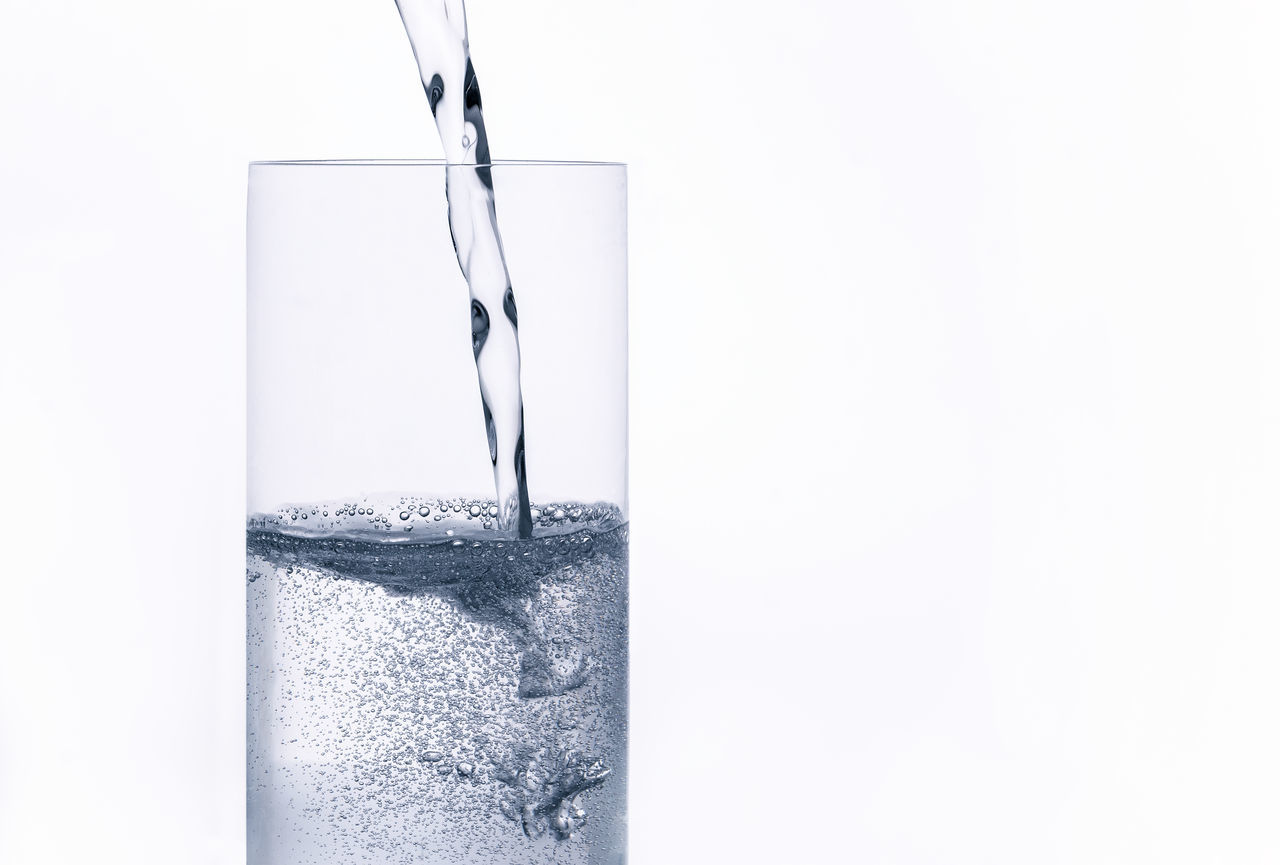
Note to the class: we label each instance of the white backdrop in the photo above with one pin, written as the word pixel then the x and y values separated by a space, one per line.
pixel 955 400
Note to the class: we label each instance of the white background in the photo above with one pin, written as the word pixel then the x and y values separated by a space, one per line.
pixel 955 400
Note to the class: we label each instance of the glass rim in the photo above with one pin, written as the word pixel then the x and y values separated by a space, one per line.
pixel 434 163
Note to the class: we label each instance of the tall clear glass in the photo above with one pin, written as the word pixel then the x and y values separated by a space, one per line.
pixel 424 685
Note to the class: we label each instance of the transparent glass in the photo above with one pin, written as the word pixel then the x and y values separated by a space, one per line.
pixel 424 685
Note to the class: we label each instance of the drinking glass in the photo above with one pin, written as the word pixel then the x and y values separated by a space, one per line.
pixel 424 685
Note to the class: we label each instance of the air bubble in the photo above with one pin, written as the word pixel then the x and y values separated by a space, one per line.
pixel 381 695
pixel 404 515
pixel 423 511
pixel 475 510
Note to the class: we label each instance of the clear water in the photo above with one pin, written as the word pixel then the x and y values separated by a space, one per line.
pixel 442 680
pixel 426 689
pixel 437 32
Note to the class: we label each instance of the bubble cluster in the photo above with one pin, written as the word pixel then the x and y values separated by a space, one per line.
pixel 547 792
pixel 376 517
pixel 451 699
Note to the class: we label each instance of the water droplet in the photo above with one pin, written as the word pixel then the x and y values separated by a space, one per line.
pixel 404 515
pixel 465 769
pixel 423 511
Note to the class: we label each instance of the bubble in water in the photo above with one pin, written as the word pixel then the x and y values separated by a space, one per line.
pixel 423 511
pixel 404 515
pixel 493 510
pixel 475 510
